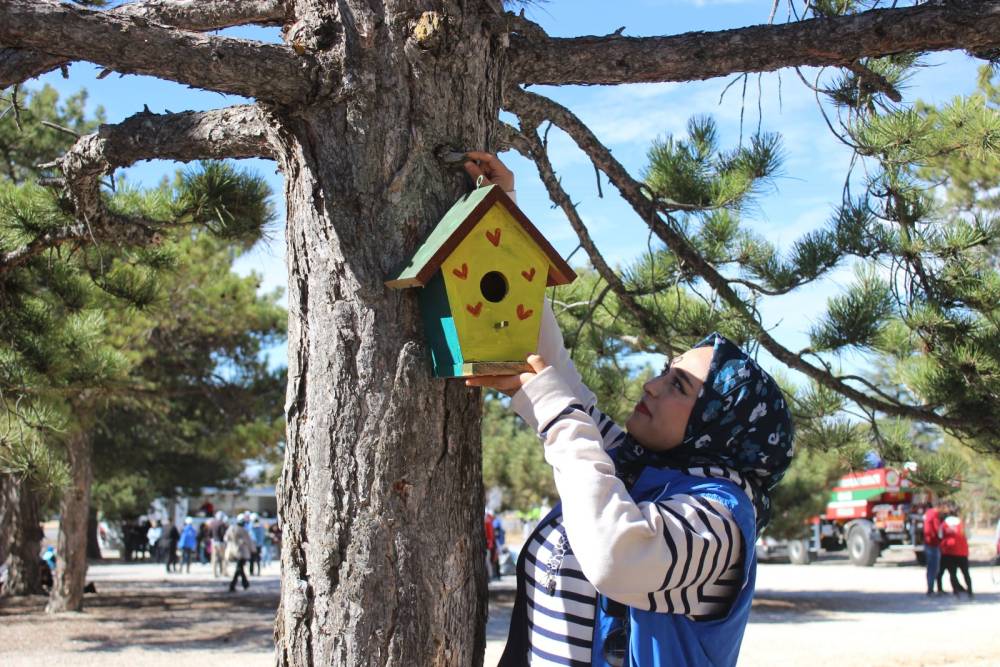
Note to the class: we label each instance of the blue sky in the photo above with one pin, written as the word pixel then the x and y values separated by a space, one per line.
pixel 627 119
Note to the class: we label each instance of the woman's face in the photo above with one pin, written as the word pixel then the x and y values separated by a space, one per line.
pixel 660 418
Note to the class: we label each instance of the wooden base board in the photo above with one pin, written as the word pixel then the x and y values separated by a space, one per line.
pixel 478 368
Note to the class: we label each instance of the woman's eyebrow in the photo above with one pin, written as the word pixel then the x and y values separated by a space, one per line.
pixel 685 378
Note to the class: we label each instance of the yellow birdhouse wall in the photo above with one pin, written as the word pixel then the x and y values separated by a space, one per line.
pixel 495 281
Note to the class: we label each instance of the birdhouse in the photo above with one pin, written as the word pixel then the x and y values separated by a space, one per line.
pixel 483 273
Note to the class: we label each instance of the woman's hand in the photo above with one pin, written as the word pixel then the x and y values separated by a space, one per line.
pixel 509 384
pixel 490 168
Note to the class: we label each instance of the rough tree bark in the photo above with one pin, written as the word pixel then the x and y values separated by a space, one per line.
pixel 16 64
pixel 381 492
pixel 71 568
pixel 25 538
pixel 93 542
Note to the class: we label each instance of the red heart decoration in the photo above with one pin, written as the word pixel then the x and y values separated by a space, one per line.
pixel 524 313
pixel 529 275
pixel 462 273
pixel 494 236
pixel 474 309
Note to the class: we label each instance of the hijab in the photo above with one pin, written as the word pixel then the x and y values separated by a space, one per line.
pixel 740 422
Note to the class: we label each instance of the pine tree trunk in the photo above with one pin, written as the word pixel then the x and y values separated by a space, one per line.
pixel 71 550
pixel 93 544
pixel 25 539
pixel 381 495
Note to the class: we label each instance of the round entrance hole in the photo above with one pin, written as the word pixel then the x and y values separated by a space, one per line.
pixel 493 286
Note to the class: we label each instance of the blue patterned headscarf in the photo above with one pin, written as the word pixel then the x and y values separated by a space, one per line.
pixel 740 421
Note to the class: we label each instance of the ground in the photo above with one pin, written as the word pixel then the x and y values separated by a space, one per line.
pixel 802 615
pixel 143 616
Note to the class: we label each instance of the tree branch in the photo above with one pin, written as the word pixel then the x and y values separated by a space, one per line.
pixel 19 256
pixel 536 108
pixel 131 44
pixel 206 14
pixel 17 65
pixel 235 132
pixel 972 25
pixel 239 131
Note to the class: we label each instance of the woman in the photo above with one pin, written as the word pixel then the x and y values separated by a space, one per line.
pixel 649 557
pixel 955 551
pixel 238 548
pixel 188 543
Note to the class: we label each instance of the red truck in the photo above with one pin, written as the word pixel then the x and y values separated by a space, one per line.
pixel 868 512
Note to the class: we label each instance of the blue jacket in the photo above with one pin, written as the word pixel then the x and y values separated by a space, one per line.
pixel 258 534
pixel 189 537
pixel 659 639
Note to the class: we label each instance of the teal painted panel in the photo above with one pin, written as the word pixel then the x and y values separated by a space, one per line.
pixel 439 329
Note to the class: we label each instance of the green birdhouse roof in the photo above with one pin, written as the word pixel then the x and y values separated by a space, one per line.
pixel 456 225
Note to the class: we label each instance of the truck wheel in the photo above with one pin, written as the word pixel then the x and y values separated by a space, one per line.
pixel 921 557
pixel 862 550
pixel 798 552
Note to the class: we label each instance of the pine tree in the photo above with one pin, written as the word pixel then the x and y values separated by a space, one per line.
pixel 31 473
pixel 204 399
pixel 925 293
pixel 353 105
pixel 922 307
pixel 512 459
pixel 83 313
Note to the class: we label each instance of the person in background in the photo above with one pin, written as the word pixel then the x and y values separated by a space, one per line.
pixel 168 544
pixel 128 540
pixel 153 535
pixel 218 532
pixel 266 553
pixel 491 544
pixel 188 543
pixel 499 540
pixel 142 541
pixel 955 550
pixel 996 541
pixel 238 547
pixel 932 548
pixel 204 541
pixel 257 535
pixel 274 534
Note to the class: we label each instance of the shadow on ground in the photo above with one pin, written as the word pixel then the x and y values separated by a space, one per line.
pixel 810 606
pixel 166 616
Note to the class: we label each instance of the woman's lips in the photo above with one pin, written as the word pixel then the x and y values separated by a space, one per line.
pixel 641 407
